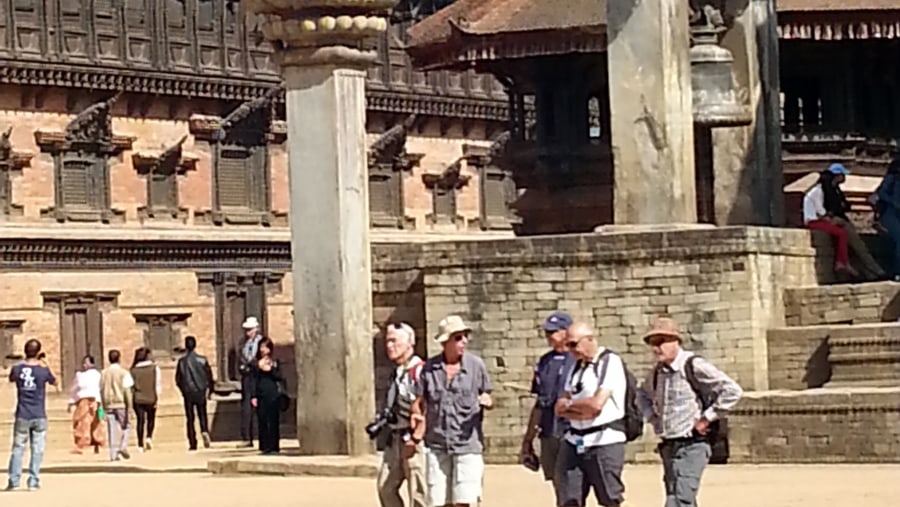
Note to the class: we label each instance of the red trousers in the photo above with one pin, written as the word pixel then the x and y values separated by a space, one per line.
pixel 841 247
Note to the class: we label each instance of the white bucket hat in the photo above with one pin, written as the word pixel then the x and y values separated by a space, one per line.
pixel 250 323
pixel 451 325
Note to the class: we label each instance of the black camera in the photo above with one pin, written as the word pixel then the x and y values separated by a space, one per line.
pixel 376 427
pixel 42 356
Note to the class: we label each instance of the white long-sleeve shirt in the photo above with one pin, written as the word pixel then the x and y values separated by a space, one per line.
pixel 86 385
pixel 814 204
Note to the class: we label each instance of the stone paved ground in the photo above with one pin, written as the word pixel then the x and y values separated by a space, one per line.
pixel 732 486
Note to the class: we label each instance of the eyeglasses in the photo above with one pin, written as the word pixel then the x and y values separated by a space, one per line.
pixel 574 343
pixel 459 337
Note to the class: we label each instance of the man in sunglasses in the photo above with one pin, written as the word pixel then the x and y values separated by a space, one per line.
pixel 549 382
pixel 592 453
pixel 454 390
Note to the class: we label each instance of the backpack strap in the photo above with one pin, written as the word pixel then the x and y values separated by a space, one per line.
pixel 691 376
pixel 603 361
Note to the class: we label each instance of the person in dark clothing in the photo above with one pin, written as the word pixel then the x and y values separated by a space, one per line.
pixel 887 211
pixel 249 349
pixel 836 207
pixel 194 379
pixel 147 388
pixel 267 399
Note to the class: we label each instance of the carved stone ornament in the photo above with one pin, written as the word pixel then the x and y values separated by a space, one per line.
pixel 449 178
pixel 91 129
pixel 172 160
pixel 322 32
pixel 253 116
pixel 390 147
pixel 10 159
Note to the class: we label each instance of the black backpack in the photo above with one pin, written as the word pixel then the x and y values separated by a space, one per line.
pixel 718 429
pixel 633 422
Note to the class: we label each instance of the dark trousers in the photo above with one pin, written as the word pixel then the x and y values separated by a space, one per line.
pixel 247 415
pixel 146 418
pixel 195 405
pixel 269 412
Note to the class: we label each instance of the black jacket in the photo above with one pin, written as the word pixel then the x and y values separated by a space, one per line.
pixel 193 376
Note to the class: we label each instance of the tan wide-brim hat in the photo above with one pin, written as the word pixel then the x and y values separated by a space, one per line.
pixel 664 328
pixel 451 325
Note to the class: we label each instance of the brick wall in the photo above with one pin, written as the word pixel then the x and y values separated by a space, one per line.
pixel 842 304
pixel 724 286
pixel 817 426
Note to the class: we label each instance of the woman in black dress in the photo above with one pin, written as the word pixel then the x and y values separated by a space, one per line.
pixel 269 392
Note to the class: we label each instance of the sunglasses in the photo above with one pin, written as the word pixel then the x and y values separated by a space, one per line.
pixel 574 343
pixel 459 337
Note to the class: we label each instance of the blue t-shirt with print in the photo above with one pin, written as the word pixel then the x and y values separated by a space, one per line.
pixel 31 384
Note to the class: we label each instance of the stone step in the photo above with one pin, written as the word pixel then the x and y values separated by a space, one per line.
pixel 864 360
pixel 803 357
pixel 842 304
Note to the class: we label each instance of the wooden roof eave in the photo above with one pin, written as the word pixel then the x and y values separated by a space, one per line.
pixel 464 49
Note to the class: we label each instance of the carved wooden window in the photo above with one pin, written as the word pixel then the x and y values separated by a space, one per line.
pixel 162 191
pixel 387 207
pixel 162 332
pixel 8 331
pixel 28 26
pixel 82 185
pixel 242 183
pixel 242 178
pixel 444 188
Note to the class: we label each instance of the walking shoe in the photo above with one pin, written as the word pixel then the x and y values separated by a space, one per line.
pixel 206 440
pixel 125 454
pixel 246 445
pixel 10 487
pixel 148 446
pixel 34 487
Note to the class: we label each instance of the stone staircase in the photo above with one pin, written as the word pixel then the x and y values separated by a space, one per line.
pixel 834 380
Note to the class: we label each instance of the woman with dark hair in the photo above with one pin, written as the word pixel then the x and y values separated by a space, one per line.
pixel 268 398
pixel 147 389
pixel 887 210
pixel 84 401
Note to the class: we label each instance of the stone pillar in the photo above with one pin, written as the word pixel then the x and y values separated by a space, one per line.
pixel 651 112
pixel 748 177
pixel 318 45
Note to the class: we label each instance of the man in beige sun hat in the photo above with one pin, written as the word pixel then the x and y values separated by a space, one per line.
pixel 454 391
pixel 686 399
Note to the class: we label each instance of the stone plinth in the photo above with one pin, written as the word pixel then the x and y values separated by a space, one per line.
pixel 318 45
pixel 652 112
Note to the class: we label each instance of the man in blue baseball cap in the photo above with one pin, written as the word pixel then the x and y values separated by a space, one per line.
pixel 548 384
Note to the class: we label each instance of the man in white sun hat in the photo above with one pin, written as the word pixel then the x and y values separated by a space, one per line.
pixel 454 391
pixel 248 357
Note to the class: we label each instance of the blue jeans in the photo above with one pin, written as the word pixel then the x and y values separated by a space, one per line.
pixel 24 431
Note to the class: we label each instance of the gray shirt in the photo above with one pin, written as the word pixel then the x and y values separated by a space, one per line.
pixel 453 416
pixel 673 407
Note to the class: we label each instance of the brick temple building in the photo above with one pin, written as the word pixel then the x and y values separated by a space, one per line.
pixel 144 197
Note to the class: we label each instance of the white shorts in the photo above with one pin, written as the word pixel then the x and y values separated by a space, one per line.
pixel 454 478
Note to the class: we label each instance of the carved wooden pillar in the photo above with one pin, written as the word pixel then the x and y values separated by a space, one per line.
pixel 318 44
pixel 11 162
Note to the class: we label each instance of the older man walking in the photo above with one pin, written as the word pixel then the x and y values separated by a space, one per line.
pixel 454 391
pixel 403 459
pixel 685 397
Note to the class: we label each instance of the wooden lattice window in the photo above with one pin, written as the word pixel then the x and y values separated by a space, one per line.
pixel 162 332
pixel 444 188
pixel 82 186
pixel 242 179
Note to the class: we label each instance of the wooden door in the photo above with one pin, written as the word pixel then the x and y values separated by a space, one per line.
pixel 81 335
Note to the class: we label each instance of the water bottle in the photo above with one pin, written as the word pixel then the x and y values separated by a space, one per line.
pixel 579 445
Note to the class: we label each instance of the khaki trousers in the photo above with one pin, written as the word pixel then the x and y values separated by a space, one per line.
pixel 395 470
pixel 870 266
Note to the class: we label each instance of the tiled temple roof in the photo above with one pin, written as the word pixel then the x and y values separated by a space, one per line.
pixel 470 31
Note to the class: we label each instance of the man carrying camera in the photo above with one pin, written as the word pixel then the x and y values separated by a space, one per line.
pixel 403 459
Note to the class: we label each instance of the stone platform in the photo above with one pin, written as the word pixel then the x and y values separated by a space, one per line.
pixel 290 464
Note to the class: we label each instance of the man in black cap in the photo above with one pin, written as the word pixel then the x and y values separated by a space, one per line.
pixel 548 384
